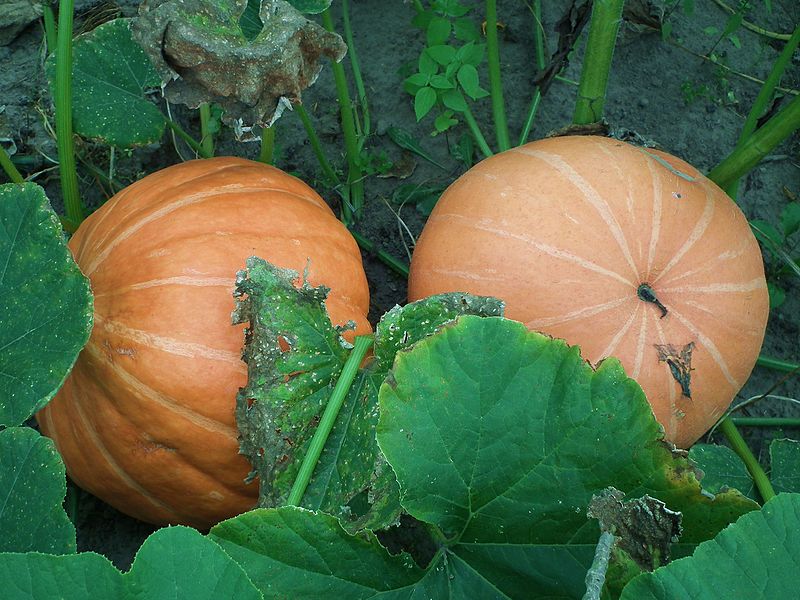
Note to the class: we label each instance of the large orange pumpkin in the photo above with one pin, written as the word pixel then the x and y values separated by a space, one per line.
pixel 146 419
pixel 625 251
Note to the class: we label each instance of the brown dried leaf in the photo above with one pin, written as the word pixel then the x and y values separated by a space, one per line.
pixel 200 51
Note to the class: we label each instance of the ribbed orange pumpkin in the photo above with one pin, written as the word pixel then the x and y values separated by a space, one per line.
pixel 146 419
pixel 625 251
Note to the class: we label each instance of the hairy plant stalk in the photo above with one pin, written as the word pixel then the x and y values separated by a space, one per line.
pixel 206 137
pixel 196 146
pixel 603 27
pixel 349 371
pixel 315 144
pixel 539 57
pixel 475 130
pixel 765 94
pixel 353 199
pixel 765 421
pixel 495 79
pixel 9 168
pixel 741 448
pixel 758 145
pixel 596 575
pixel 63 104
pixel 50 29
pixel 777 364
pixel 361 90
pixel 390 261
pixel 267 153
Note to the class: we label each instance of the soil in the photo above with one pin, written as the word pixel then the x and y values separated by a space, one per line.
pixel 664 91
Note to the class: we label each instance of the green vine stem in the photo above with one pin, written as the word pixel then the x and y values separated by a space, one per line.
pixel 315 144
pixel 196 146
pixel 365 128
pixel 603 27
pixel 495 79
pixel 63 102
pixel 596 575
pixel 777 364
pixel 206 137
pixel 50 30
pixel 390 261
pixel 353 198
pixel 541 63
pixel 741 448
pixel 418 6
pixel 475 130
pixel 349 371
pixel 764 97
pixel 9 168
pixel 758 145
pixel 267 153
pixel 765 421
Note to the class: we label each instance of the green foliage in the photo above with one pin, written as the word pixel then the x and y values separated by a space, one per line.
pixel 758 557
pixel 487 427
pixel 175 562
pixel 291 377
pixel 111 78
pixel 32 488
pixel 722 469
pixel 446 72
pixel 785 465
pixel 45 303
pixel 781 245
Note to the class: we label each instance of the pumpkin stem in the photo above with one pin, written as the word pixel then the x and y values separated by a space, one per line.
pixel 646 293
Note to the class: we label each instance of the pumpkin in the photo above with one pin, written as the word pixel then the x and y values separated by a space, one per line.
pixel 624 251
pixel 145 421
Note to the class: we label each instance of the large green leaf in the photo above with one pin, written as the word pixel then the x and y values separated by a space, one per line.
pixel 291 552
pixel 498 437
pixel 785 463
pixel 111 76
pixel 34 576
pixel 310 6
pixel 45 303
pixel 173 563
pixel 722 469
pixel 291 376
pixel 32 487
pixel 758 557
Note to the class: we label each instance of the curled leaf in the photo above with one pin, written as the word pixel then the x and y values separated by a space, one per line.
pixel 200 50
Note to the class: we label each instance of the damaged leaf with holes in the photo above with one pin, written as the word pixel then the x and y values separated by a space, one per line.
pixel 294 357
pixel 214 51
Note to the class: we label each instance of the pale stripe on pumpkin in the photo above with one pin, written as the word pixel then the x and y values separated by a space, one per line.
pixel 545 248
pixel 171 207
pixel 166 344
pixel 715 288
pixel 147 393
pixel 582 313
pixel 699 230
pixel 226 282
pixel 123 476
pixel 655 226
pixel 590 194
pixel 612 346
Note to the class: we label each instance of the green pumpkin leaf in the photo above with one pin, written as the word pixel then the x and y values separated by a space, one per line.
pixel 500 436
pixel 291 552
pixel 179 562
pixel 722 468
pixel 785 463
pixel 291 377
pixel 45 303
pixel 32 488
pixel 86 576
pixel 758 557
pixel 111 77
pixel 174 562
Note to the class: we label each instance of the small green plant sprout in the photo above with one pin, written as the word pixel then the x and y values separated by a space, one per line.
pixel 447 74
pixel 781 244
